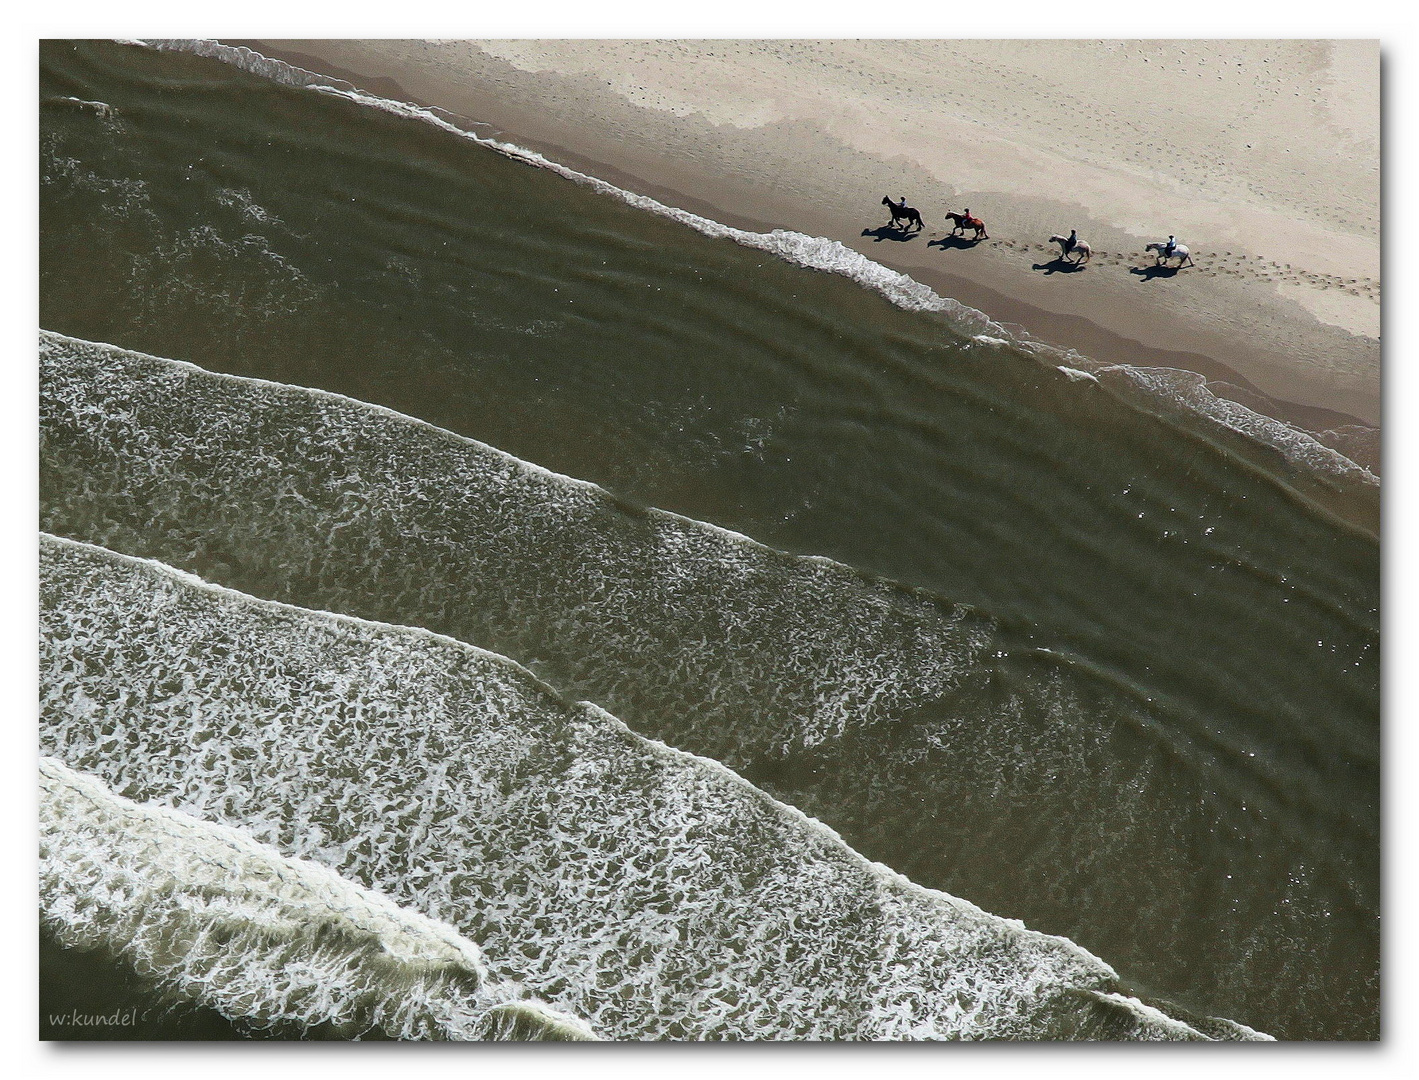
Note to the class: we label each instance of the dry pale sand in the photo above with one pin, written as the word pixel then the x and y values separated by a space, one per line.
pixel 1262 156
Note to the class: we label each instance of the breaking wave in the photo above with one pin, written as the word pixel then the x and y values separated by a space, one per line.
pixel 233 925
pixel 655 893
pixel 735 648
pixel 899 718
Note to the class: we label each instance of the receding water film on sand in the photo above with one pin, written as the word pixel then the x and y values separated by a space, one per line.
pixel 602 540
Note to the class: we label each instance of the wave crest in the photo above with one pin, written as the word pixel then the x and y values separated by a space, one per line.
pixel 655 893
pixel 219 919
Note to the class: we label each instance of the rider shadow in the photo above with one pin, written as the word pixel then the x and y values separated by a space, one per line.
pixel 1148 273
pixel 1059 265
pixel 953 242
pixel 890 232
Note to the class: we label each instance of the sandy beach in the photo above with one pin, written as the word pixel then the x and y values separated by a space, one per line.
pixel 662 629
pixel 1262 156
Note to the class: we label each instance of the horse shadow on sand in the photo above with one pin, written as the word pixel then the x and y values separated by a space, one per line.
pixel 953 242
pixel 1148 273
pixel 891 232
pixel 1059 265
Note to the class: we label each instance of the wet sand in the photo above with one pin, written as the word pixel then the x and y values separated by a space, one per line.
pixel 1282 308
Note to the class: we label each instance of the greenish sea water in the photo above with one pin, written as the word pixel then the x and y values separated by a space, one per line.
pixel 1127 683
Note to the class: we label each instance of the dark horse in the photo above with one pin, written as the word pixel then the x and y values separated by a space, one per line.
pixel 961 222
pixel 903 212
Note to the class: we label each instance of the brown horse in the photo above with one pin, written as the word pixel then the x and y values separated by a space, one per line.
pixel 965 221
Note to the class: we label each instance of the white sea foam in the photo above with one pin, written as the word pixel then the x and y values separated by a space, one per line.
pixel 1182 389
pixel 701 634
pixel 654 893
pixel 101 108
pixel 1190 389
pixel 221 920
pixel 882 710
pixel 692 634
pixel 1152 1024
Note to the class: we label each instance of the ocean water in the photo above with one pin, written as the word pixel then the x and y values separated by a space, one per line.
pixel 1074 643
pixel 331 750
pixel 262 937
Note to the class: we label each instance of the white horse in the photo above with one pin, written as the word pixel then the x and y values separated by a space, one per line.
pixel 1180 252
pixel 1081 250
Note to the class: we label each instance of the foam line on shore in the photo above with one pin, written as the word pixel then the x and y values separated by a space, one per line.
pixel 1183 390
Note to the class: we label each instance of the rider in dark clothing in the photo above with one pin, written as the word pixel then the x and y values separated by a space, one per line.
pixel 1172 245
pixel 1073 239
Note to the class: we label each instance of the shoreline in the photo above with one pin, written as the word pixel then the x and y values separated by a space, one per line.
pixel 1081 315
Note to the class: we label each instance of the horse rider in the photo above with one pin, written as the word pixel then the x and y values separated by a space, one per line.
pixel 1068 244
pixel 1171 246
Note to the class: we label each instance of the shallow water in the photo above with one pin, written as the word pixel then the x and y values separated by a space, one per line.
pixel 1163 703
pixel 513 840
pixel 216 917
